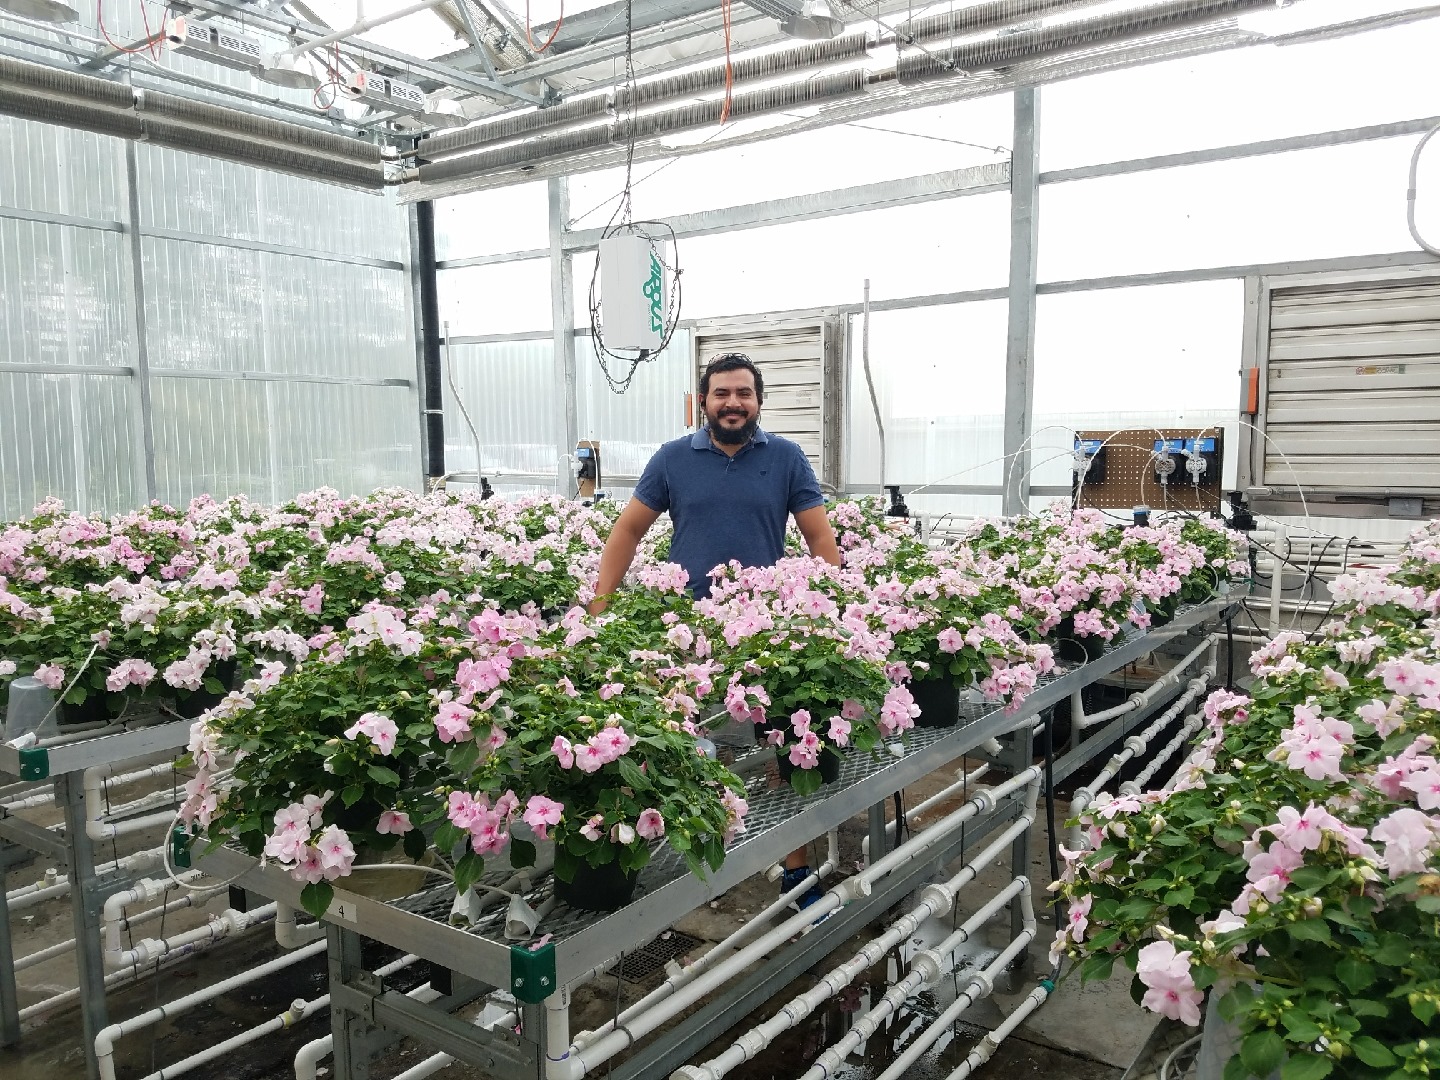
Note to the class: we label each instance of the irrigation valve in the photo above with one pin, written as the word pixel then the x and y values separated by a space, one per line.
pixel 1195 465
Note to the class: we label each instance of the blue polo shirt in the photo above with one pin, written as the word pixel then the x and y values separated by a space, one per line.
pixel 727 508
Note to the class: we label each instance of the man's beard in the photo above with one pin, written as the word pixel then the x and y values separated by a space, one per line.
pixel 735 436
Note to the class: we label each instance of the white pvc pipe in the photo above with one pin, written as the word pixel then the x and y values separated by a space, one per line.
pixel 228 922
pixel 980 985
pixel 961 784
pixel 299 1010
pixel 937 898
pixel 581 1061
pixel 1276 576
pixel 987 1046
pixel 96 825
pixel 68 946
pixel 115 978
pixel 1142 698
pixel 436 1062
pixel 309 1056
pixel 291 935
pixel 142 892
pixel 1135 744
pixel 105 1040
pixel 49 888
pixel 1136 786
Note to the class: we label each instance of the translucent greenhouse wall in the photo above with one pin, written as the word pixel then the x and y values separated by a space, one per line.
pixel 277 329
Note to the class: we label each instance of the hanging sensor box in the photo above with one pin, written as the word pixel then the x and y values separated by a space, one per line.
pixel 1192 462
pixel 1090 459
pixel 1117 470
pixel 587 475
pixel 214 44
pixel 632 292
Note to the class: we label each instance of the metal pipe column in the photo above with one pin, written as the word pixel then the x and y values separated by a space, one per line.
pixel 562 322
pixel 9 998
pixel 1020 338
pixel 432 380
pixel 142 344
pixel 85 909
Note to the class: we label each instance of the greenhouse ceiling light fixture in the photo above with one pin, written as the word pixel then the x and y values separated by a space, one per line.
pixel 287 69
pixel 814 23
pixel 43 10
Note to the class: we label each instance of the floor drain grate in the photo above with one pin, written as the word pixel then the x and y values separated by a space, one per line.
pixel 651 958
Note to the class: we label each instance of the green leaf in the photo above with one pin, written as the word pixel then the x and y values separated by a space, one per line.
pixel 1394 951
pixel 1372 1052
pixel 1367 1007
pixel 805 781
pixel 1428 904
pixel 522 853
pixel 1306 1066
pixel 632 776
pixel 1098 967
pixel 1262 1052
pixel 415 844
pixel 447 836
pixel 316 898
pixel 1356 974
pixel 1300 1027
pixel 1180 897
pixel 1423 1009
pixel 352 794
pixel 1309 930
pixel 386 777
pixel 468 871
pixel 1310 878
pixel 1230 834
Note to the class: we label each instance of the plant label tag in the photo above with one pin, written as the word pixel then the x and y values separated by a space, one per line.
pixel 345 909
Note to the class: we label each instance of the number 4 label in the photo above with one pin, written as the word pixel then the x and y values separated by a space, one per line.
pixel 345 909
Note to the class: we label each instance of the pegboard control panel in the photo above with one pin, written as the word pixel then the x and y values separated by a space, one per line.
pixel 1162 468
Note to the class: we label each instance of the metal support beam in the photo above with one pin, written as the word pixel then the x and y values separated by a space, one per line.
pixel 142 344
pixel 562 323
pixel 9 998
pixel 428 308
pixel 1020 339
pixel 979 180
pixel 85 910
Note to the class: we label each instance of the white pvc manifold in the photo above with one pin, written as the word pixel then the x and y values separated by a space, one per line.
pixel 106 1038
pixel 68 946
pixel 291 935
pixel 97 827
pixel 1140 699
pixel 676 979
pixel 53 885
pixel 937 899
pixel 1135 744
pixel 985 1049
pixel 961 785
pixel 926 970
pixel 1169 750
pixel 148 950
pixel 580 1061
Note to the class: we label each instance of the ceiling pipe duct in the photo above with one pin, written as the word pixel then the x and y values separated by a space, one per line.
pixel 991 15
pixel 962 59
pixel 69 99
pixel 233 121
pixel 1082 34
pixel 699 114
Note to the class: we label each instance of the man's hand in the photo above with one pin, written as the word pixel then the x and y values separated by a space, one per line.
pixel 598 605
pixel 625 536
pixel 814 525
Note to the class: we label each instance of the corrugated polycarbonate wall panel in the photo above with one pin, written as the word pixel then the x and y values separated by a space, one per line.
pixel 68 435
pixel 62 295
pixel 631 426
pixel 510 391
pixel 212 308
pixel 189 193
pixel 56 170
pixel 352 438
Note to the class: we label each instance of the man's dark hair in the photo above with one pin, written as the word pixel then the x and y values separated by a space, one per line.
pixel 732 361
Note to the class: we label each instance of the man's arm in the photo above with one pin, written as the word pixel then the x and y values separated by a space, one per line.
pixel 634 522
pixel 819 536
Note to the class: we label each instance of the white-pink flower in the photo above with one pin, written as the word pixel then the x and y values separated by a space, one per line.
pixel 650 826
pixel 395 822
pixel 378 728
pixel 564 752
pixel 51 675
pixel 335 851
pixel 541 813
pixel 1410 838
pixel 1171 987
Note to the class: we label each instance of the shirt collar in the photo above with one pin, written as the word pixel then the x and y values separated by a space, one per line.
pixel 701 439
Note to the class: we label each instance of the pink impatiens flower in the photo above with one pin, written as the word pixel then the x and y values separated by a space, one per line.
pixel 839 732
pixel 1171 987
pixel 378 728
pixel 1410 838
pixel 541 813
pixel 564 752
pixel 51 675
pixel 395 822
pixel 452 722
pixel 650 826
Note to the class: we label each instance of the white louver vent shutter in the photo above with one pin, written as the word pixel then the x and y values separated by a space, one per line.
pixel 792 362
pixel 1352 389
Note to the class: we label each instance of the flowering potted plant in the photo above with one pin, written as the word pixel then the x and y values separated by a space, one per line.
pixel 1293 866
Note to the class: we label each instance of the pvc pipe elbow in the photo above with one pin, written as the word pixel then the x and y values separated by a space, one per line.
pixel 693 1072
pixel 853 888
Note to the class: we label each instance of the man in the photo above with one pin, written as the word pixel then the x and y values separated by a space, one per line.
pixel 729 490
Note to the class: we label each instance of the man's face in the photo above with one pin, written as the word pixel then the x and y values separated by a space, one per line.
pixel 731 406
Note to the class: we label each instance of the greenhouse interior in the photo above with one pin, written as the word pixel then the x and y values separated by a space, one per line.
pixel 416 660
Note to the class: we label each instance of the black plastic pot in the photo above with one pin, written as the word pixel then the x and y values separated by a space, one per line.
pixel 829 767
pixel 939 699
pixel 95 709
pixel 598 888
pixel 1072 648
pixel 193 703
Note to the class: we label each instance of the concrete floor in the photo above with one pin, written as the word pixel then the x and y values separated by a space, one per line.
pixel 1090 1033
